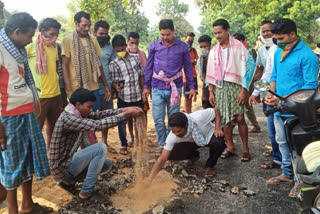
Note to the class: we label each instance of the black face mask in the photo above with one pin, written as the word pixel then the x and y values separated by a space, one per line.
pixel 103 40
pixel 274 41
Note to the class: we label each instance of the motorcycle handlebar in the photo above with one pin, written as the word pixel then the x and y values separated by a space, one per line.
pixel 271 111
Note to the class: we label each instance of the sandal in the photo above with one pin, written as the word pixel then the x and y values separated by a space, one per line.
pixel 293 192
pixel 209 173
pixel 267 153
pixel 190 162
pixel 270 165
pixel 70 188
pixel 226 154
pixel 279 179
pixel 245 157
pixel 123 151
pixel 94 195
pixel 130 143
pixel 37 208
pixel 254 130
pixel 112 150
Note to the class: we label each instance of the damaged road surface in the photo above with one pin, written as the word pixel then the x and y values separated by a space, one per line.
pixel 239 187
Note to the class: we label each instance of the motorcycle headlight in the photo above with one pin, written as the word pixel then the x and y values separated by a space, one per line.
pixel 316 202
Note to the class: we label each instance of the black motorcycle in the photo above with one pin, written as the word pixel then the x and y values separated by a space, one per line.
pixel 302 131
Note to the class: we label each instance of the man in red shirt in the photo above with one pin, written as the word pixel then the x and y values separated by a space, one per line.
pixel 194 57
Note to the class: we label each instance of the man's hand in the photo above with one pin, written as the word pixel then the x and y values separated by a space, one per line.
pixel 212 99
pixel 3 137
pixel 193 94
pixel 145 94
pixel 270 99
pixel 132 111
pixel 69 92
pixel 252 100
pixel 241 99
pixel 218 132
pixel 107 92
pixel 258 74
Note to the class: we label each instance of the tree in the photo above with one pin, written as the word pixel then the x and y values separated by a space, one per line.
pixel 172 9
pixel 245 15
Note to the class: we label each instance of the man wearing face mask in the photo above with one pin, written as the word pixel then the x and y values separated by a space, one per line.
pixel 43 57
pixel 189 38
pixel 201 67
pixel 127 75
pixel 295 67
pixel 101 31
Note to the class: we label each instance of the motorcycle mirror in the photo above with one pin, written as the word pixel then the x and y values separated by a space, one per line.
pixel 262 85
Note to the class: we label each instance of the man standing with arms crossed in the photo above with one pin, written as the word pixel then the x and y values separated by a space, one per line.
pixel 163 73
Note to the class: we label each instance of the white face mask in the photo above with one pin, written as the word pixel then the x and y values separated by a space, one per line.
pixel 268 42
pixel 204 52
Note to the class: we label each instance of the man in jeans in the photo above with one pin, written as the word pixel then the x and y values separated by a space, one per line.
pixel 67 164
pixel 295 67
pixel 163 73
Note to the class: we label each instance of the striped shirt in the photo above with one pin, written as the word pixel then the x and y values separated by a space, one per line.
pixel 67 129
pixel 129 70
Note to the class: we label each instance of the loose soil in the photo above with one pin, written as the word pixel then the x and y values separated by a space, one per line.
pixel 180 190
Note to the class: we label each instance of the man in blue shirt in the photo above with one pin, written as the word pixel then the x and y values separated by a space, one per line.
pixel 101 31
pixel 295 67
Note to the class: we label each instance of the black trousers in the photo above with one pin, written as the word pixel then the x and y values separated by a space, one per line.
pixel 189 150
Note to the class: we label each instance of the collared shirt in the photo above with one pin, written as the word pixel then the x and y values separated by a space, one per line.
pixel 200 129
pixel 262 56
pixel 169 59
pixel 68 128
pixel 299 70
pixel 129 70
pixel 67 51
pixel 268 69
pixel 107 56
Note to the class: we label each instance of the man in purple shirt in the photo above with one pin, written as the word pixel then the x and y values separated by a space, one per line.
pixel 167 56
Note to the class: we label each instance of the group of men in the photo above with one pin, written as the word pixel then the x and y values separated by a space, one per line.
pixel 70 87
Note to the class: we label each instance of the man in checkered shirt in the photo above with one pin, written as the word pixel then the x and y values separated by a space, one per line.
pixel 127 77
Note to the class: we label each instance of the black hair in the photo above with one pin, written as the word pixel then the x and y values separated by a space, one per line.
pixel 239 36
pixel 82 95
pixel 205 38
pixel 221 22
pixel 191 34
pixel 178 119
pixel 284 26
pixel 118 41
pixel 166 24
pixel 22 21
pixel 102 24
pixel 266 22
pixel 79 15
pixel 48 23
pixel 133 35
pixel 318 45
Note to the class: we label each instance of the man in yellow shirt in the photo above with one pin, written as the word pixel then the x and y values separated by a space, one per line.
pixel 43 57
pixel 80 60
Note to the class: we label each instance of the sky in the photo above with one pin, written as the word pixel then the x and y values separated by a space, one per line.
pixel 40 9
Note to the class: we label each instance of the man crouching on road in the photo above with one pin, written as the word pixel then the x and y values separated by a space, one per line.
pixel 69 165
pixel 190 132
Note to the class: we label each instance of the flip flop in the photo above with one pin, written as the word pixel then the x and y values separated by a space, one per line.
pixel 37 208
pixel 246 157
pixel 69 188
pixel 123 151
pixel 270 165
pixel 278 180
pixel 209 173
pixel 293 192
pixel 226 154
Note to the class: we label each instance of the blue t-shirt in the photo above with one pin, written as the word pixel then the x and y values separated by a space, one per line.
pixel 299 70
pixel 107 56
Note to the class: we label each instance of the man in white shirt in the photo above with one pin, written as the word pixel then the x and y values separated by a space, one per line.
pixel 190 132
